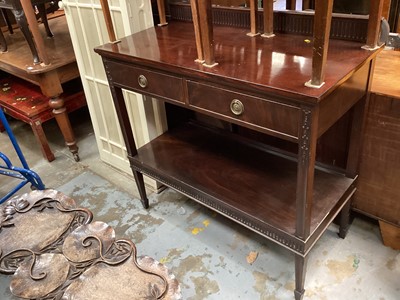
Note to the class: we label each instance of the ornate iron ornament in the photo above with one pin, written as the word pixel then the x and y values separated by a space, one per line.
pixel 52 248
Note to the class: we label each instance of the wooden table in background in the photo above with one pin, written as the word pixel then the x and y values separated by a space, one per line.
pixel 63 68
pixel 378 192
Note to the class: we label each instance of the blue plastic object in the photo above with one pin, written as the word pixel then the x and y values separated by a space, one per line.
pixel 8 169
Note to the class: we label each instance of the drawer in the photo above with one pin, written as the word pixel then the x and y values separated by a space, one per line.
pixel 253 112
pixel 147 82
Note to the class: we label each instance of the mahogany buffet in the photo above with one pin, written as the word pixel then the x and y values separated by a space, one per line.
pixel 260 82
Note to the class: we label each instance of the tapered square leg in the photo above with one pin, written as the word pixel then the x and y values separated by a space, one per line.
pixel 300 274
pixel 344 220
pixel 141 187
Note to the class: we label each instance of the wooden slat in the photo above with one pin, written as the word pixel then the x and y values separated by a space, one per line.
pixel 386 9
pixel 107 17
pixel 398 25
pixel 268 18
pixel 206 26
pixel 344 26
pixel 253 18
pixel 196 24
pixel 374 23
pixel 291 4
pixel 322 27
pixel 306 4
pixel 161 12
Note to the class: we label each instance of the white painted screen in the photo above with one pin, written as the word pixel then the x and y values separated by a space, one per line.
pixel 87 28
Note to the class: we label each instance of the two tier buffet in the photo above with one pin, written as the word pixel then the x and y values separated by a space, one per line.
pixel 289 75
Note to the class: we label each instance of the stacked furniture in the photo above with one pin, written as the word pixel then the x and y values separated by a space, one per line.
pixel 16 8
pixel 280 83
pixel 56 67
pixel 24 101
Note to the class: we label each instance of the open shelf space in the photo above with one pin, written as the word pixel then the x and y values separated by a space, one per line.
pixel 235 177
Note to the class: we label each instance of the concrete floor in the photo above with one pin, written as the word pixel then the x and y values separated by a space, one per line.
pixel 206 251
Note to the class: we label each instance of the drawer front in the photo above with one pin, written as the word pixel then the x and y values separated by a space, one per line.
pixel 147 82
pixel 253 112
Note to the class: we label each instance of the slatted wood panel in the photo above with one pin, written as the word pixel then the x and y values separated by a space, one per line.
pixel 378 187
pixel 88 30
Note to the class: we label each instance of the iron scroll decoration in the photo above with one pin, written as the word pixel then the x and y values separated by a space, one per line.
pixel 56 264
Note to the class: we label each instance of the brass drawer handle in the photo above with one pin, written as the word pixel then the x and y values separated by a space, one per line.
pixel 237 107
pixel 142 80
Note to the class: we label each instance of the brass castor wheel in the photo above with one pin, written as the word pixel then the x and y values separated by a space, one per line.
pixel 76 157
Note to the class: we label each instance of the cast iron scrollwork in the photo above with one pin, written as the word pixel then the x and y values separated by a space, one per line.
pixel 58 267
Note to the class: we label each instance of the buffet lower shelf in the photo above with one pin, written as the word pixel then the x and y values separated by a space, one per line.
pixel 244 181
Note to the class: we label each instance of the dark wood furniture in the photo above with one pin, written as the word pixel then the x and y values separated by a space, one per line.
pixel 24 101
pixel 61 68
pixel 260 84
pixel 378 187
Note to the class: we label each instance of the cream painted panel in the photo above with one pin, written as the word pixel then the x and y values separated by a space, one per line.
pixel 78 37
pixel 147 117
pixel 134 103
pixel 139 14
pixel 109 134
pixel 109 116
pixel 97 109
pixel 85 2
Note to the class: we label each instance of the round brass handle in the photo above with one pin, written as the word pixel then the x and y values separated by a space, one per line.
pixel 142 80
pixel 237 107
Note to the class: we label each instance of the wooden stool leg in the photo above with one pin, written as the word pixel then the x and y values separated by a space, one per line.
pixel 23 25
pixel 7 20
pixel 3 42
pixel 61 115
pixel 42 12
pixel 37 129
pixel 300 273
pixel 161 12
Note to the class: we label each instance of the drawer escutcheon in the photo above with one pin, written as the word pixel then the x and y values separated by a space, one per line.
pixel 237 107
pixel 142 80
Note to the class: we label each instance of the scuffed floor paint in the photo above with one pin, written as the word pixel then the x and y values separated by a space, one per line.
pixel 197 230
pixel 208 253
pixel 342 269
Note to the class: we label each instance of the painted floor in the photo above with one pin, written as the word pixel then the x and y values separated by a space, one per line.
pixel 211 256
